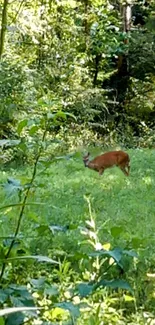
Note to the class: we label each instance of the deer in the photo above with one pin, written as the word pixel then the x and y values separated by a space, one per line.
pixel 109 159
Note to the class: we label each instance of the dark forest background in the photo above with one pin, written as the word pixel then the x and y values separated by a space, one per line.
pixel 92 59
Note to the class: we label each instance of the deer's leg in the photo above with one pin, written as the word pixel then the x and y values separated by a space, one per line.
pixel 124 171
pixel 128 168
pixel 101 171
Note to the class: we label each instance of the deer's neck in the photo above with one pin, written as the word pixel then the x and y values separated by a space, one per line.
pixel 86 162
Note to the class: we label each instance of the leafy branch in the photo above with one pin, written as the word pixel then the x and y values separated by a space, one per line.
pixel 23 205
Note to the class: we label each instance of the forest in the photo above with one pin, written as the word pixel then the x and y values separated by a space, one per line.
pixel 76 246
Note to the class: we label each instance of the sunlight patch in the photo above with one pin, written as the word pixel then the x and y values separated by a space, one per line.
pixel 147 180
pixel 151 275
pixel 112 177
pixel 128 183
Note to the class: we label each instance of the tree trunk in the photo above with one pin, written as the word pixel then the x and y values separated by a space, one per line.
pixel 97 62
pixel 42 36
pixel 122 75
pixel 127 17
pixel 120 80
pixel 3 26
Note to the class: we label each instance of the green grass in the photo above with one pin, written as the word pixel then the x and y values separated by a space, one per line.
pixel 115 199
pixel 118 203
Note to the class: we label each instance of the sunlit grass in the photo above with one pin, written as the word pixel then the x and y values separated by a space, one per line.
pixel 123 209
pixel 116 199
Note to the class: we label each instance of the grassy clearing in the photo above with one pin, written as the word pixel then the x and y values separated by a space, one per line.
pixel 123 209
pixel 116 200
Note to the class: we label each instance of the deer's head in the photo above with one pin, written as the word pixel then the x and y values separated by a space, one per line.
pixel 86 159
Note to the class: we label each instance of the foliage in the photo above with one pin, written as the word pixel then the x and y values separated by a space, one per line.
pixel 70 52
pixel 76 249
pixel 79 264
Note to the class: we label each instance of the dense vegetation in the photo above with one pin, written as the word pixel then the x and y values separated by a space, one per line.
pixel 76 248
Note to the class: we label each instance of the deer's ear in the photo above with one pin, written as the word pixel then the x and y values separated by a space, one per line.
pixel 86 155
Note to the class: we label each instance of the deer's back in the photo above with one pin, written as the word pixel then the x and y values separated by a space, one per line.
pixel 110 158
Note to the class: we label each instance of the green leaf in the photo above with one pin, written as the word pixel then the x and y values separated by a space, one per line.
pixel 128 298
pixel 9 143
pixel 39 258
pixel 51 291
pixel 87 289
pixel 114 284
pixel 17 319
pixel 84 289
pixel 2 321
pixel 33 130
pixel 14 182
pixel 60 114
pixel 58 228
pixel 130 253
pixel 22 298
pixel 56 141
pixel 50 116
pixel 3 296
pixel 71 115
pixel 73 309
pixel 54 116
pixel 21 288
pixel 116 254
pixel 137 242
pixel 23 146
pixel 41 229
pixel 38 283
pixel 21 125
pixel 12 186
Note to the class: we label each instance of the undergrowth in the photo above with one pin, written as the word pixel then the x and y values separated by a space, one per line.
pixel 72 213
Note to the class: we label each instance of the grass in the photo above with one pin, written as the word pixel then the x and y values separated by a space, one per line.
pixel 116 200
pixel 123 209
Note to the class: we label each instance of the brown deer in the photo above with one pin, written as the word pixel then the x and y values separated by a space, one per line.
pixel 109 159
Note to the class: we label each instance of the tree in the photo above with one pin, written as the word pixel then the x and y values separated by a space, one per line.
pixel 3 26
